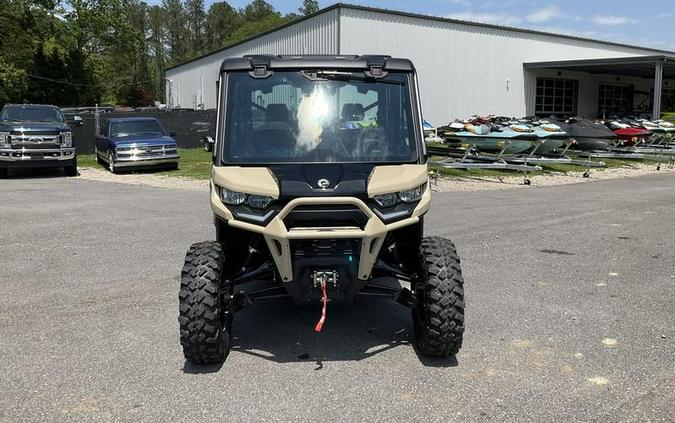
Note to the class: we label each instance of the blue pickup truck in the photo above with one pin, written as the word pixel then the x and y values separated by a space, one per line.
pixel 135 142
pixel 35 136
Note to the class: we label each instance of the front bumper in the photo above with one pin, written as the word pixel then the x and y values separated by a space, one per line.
pixel 278 236
pixel 32 157
pixel 146 162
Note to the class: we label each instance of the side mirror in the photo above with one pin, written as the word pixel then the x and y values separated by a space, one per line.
pixel 100 137
pixel 208 144
pixel 75 121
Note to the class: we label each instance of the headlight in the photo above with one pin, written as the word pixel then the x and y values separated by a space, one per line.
pixel 4 139
pixel 411 195
pixel 259 201
pixel 405 196
pixel 232 198
pixel 66 139
pixel 386 200
pixel 235 198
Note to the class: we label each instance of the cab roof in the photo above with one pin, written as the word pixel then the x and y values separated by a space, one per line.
pixel 29 105
pixel 352 62
pixel 130 119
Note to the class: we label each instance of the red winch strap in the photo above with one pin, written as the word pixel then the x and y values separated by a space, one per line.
pixel 324 298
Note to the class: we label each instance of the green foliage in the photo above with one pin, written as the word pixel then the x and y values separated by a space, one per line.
pixel 252 28
pixel 81 52
pixel 309 7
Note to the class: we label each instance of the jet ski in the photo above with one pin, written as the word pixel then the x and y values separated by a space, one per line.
pixel 552 137
pixel 588 135
pixel 629 133
pixel 512 139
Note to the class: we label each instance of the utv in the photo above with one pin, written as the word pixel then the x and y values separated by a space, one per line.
pixel 319 187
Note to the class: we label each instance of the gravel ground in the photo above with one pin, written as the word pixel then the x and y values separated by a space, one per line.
pixel 440 184
pixel 513 182
pixel 150 180
pixel 570 293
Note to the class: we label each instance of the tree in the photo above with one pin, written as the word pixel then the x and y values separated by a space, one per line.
pixel 252 28
pixel 155 38
pixel 258 10
pixel 221 22
pixel 196 18
pixel 175 32
pixel 309 7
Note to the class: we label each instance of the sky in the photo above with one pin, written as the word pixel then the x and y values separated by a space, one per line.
pixel 648 23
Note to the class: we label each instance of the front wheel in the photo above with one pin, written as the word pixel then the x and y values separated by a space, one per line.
pixel 4 172
pixel 111 163
pixel 205 324
pixel 72 169
pixel 439 313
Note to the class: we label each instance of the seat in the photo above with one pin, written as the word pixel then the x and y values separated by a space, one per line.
pixel 353 112
pixel 275 140
pixel 277 113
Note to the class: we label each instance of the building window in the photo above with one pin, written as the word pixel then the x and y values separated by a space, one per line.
pixel 556 96
pixel 668 100
pixel 615 99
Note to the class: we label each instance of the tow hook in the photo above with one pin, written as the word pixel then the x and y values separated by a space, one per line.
pixel 322 279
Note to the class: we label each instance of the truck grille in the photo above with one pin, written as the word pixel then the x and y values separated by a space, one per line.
pixel 146 151
pixel 34 133
pixel 37 139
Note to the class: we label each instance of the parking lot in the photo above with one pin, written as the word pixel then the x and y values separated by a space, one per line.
pixel 570 314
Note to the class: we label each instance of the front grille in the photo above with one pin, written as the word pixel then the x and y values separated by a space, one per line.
pixel 36 145
pixel 146 151
pixel 36 140
pixel 326 216
pixel 325 247
pixel 35 133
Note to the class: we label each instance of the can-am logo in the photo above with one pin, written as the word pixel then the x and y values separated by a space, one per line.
pixel 323 183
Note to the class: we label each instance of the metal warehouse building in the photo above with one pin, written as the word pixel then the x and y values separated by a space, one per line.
pixel 464 68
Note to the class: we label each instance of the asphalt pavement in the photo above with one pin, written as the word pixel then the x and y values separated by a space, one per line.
pixel 570 315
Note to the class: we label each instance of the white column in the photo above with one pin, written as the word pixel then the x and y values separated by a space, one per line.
pixel 658 82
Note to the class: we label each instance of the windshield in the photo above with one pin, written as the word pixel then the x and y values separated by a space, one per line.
pixel 295 116
pixel 31 114
pixel 136 127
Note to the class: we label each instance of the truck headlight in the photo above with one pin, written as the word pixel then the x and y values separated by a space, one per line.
pixel 66 139
pixel 4 140
pixel 236 198
pixel 405 196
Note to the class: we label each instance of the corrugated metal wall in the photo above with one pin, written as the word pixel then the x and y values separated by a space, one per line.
pixel 464 69
pixel 194 83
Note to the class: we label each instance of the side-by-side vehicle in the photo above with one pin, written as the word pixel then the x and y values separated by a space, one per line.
pixel 319 188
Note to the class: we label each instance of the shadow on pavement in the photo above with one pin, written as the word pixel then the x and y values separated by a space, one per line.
pixel 200 369
pixel 36 173
pixel 281 332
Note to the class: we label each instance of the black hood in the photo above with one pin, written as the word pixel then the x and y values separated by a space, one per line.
pixel 33 126
pixel 322 179
pixel 584 128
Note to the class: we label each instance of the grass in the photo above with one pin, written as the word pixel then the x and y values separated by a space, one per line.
pixel 669 116
pixel 195 163
pixel 547 169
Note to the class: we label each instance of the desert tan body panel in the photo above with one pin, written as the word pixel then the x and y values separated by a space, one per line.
pixel 395 178
pixel 278 237
pixel 251 180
